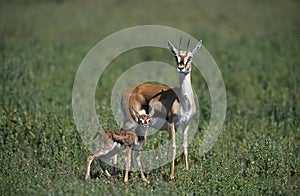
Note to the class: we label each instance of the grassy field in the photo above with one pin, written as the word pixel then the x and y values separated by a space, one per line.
pixel 256 45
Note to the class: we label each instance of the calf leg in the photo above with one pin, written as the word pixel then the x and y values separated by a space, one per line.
pixel 115 162
pixel 102 164
pixel 88 165
pixel 91 157
pixel 128 161
pixel 138 160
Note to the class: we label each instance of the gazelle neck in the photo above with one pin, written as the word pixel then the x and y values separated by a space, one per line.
pixel 187 95
pixel 186 84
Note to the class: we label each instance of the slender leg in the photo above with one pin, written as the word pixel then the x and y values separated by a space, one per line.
pixel 102 164
pixel 132 159
pixel 138 160
pixel 88 165
pixel 185 145
pixel 128 161
pixel 173 149
pixel 90 158
pixel 115 162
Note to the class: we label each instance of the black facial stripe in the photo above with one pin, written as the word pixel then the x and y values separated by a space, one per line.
pixel 188 59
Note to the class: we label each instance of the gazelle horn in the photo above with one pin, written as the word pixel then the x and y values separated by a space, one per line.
pixel 180 43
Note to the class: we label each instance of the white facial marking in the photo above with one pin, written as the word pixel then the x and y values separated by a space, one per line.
pixel 142 112
pixel 185 60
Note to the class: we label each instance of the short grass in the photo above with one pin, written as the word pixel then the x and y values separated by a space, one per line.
pixel 255 43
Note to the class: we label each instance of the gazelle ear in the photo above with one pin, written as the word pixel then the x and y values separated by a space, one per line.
pixel 172 49
pixel 197 47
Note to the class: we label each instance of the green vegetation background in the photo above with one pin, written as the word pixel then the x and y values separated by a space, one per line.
pixel 255 44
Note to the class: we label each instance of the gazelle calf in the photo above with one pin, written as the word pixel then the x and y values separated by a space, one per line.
pixel 177 106
pixel 111 143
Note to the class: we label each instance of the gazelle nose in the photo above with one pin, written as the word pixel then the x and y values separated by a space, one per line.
pixel 180 68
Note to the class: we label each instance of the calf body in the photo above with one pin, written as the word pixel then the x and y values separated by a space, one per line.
pixel 111 143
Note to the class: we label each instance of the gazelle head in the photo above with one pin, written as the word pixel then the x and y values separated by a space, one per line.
pixel 142 118
pixel 184 58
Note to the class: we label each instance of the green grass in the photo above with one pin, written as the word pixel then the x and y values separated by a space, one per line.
pixel 255 43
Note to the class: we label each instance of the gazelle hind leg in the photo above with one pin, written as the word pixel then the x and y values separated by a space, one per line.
pixel 185 145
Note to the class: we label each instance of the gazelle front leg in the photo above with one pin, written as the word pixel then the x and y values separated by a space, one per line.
pixel 185 129
pixel 173 149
